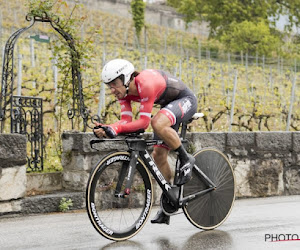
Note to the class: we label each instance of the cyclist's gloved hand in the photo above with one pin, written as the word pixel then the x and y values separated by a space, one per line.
pixel 98 125
pixel 110 131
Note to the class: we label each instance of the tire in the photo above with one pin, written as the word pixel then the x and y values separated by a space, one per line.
pixel 211 209
pixel 118 218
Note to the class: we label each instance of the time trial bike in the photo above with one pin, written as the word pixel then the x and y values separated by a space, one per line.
pixel 119 193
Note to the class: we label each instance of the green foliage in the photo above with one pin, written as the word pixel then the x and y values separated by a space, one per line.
pixel 40 7
pixel 227 16
pixel 221 14
pixel 69 49
pixel 174 3
pixel 191 148
pixel 251 38
pixel 138 15
pixel 65 205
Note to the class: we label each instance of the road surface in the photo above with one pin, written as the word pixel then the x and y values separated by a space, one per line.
pixel 253 224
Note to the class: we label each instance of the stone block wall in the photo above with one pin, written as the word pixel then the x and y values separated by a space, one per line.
pixel 265 163
pixel 78 158
pixel 12 172
pixel 39 183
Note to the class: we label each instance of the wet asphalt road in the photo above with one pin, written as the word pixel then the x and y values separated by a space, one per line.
pixel 251 225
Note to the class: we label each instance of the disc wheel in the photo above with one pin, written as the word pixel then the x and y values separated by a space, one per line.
pixel 210 210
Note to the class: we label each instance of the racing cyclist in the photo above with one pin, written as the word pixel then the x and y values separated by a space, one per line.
pixel 149 87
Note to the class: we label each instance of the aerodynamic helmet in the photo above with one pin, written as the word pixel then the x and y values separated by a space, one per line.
pixel 117 68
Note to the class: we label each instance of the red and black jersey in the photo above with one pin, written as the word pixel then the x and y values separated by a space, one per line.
pixel 154 86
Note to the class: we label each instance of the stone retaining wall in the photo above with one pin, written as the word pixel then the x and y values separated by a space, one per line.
pixel 12 172
pixel 40 183
pixel 265 163
pixel 23 193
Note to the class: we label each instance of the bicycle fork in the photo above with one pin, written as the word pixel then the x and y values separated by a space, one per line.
pixel 131 169
pixel 127 173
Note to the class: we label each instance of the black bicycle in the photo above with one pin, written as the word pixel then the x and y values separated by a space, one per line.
pixel 119 194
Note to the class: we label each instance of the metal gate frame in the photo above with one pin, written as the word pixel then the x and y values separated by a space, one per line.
pixel 27 119
pixel 18 107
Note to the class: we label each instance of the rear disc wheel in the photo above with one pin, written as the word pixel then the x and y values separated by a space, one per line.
pixel 211 209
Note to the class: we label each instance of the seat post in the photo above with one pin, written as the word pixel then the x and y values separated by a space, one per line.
pixel 183 141
pixel 183 130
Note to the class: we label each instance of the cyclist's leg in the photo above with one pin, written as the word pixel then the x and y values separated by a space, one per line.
pixel 165 125
pixel 176 112
pixel 162 126
pixel 160 156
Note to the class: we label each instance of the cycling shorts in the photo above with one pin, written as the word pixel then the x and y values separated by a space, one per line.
pixel 178 111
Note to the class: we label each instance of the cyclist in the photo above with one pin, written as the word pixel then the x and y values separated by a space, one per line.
pixel 178 104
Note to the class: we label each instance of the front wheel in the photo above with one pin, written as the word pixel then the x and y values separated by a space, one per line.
pixel 211 209
pixel 118 217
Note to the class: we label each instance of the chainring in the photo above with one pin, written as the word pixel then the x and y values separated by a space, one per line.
pixel 167 207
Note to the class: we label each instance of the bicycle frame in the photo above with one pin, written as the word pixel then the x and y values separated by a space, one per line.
pixel 138 148
pixel 119 193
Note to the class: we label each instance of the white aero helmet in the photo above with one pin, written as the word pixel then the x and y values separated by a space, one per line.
pixel 115 68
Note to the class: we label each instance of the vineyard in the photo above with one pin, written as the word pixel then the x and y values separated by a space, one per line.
pixel 235 92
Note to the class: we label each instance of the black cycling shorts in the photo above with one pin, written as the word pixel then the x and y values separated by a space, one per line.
pixel 178 111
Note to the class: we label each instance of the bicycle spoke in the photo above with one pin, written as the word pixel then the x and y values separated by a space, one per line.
pixel 117 217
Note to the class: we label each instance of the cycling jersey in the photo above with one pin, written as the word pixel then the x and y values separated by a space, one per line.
pixel 156 87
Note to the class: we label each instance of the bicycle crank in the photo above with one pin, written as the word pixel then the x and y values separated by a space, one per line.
pixel 168 207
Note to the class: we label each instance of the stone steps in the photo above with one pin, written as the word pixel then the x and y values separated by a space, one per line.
pixel 42 203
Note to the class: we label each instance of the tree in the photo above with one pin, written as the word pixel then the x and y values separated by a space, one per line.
pixel 138 15
pixel 220 14
pixel 251 38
